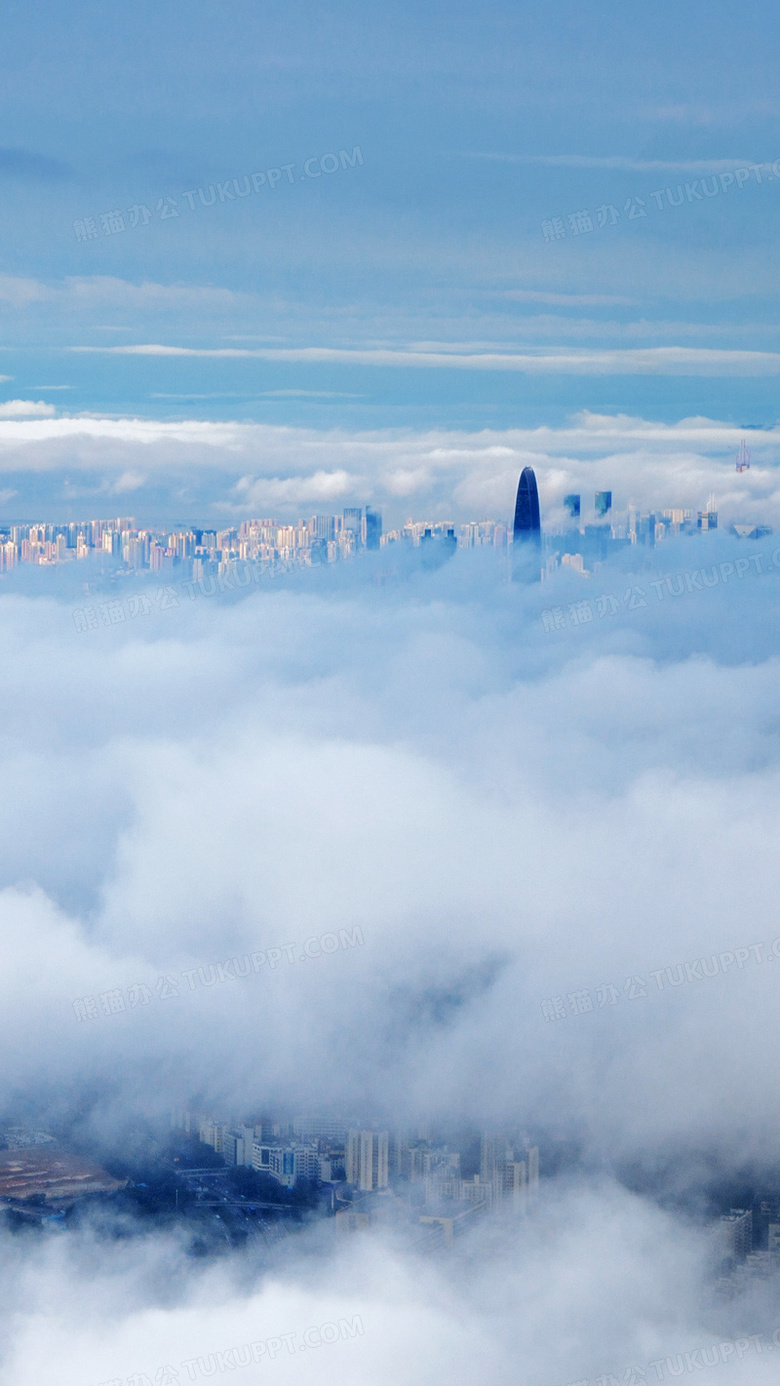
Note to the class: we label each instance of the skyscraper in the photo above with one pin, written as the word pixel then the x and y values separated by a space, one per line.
pixel 527 531
pixel 527 522
pixel 572 504
pixel 603 502
pixel 373 528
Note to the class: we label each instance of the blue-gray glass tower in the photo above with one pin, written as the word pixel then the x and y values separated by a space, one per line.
pixel 527 522
pixel 527 532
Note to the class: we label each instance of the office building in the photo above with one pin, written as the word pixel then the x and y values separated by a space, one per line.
pixel 603 502
pixel 372 529
pixel 572 506
pixel 527 530
pixel 286 1163
pixel 367 1159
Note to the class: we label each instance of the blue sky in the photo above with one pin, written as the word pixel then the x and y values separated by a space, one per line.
pixel 422 275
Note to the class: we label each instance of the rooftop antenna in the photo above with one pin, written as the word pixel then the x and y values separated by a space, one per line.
pixel 743 457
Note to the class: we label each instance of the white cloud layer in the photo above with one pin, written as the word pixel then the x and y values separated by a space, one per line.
pixel 507 816
pixel 450 474
pixel 607 1283
pixel 25 409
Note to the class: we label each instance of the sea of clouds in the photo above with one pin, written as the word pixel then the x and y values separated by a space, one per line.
pixel 508 815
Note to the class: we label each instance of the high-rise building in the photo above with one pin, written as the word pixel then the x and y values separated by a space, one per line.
pixel 322 527
pixel 572 505
pixel 353 521
pixel 238 1144
pixel 367 1159
pixel 212 1133
pixel 320 1128
pixel 527 523
pixel 736 1233
pixel 527 529
pixel 603 502
pixel 532 1157
pixel 373 529
pixel 512 1175
pixel 285 539
pixel 488 1147
pixel 515 1185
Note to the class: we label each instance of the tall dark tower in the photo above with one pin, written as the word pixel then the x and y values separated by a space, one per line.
pixel 527 533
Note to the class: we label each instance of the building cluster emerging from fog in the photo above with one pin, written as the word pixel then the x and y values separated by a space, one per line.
pixel 254 1170
pixel 747 1244
pixel 436 1189
pixel 576 537
pixel 381 1177
pixel 582 543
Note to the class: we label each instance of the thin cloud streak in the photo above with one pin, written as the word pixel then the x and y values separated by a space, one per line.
pixel 669 360
pixel 621 162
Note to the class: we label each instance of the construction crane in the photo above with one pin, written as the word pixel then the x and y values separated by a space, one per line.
pixel 743 457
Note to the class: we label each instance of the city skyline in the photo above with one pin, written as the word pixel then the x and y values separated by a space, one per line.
pixel 428 1187
pixel 326 538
